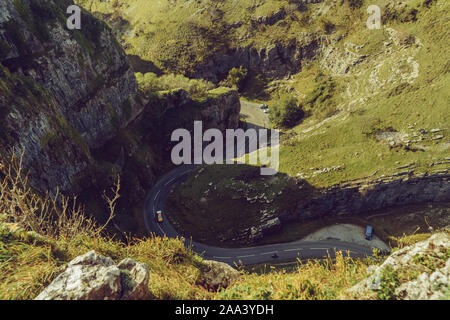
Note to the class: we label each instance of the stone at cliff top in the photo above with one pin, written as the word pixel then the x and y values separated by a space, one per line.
pixel 95 277
pixel 217 275
pixel 136 275
pixel 428 259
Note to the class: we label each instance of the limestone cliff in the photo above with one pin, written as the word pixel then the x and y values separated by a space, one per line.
pixel 63 91
pixel 273 62
pixel 69 99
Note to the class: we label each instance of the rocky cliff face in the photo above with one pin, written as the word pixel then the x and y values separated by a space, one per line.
pixel 274 62
pixel 63 91
pixel 362 196
pixel 220 109
pixel 357 197
pixel 175 109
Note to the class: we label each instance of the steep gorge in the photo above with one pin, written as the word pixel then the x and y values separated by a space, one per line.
pixel 86 79
pixel 69 100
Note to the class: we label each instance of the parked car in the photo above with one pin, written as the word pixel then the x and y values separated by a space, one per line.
pixel 264 106
pixel 266 111
pixel 159 216
pixel 369 233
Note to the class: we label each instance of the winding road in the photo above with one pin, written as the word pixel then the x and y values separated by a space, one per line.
pixel 246 256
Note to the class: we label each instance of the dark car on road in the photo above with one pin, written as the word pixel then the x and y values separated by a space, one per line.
pixel 369 233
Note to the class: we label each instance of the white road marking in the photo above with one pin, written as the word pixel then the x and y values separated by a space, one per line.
pixel 221 257
pixel 161 229
pixel 168 182
pixel 319 248
pixel 251 255
pixel 284 264
pixel 297 249
pixel 268 253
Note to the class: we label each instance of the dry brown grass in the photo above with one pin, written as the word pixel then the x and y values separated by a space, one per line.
pixel 55 216
pixel 39 235
pixel 311 280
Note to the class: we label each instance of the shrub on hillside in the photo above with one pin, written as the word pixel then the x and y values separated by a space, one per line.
pixel 355 4
pixel 150 83
pixel 286 113
pixel 237 76
pixel 326 25
pixel 320 101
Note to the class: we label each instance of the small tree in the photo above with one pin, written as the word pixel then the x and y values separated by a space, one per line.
pixel 355 4
pixel 286 113
pixel 237 76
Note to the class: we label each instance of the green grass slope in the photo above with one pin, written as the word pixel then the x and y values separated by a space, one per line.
pixel 374 100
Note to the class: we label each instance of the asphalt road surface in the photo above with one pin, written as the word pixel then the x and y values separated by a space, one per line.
pixel 249 255
pixel 253 114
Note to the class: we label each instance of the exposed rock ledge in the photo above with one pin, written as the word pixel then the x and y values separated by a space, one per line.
pixel 274 62
pixel 425 266
pixel 357 197
pixel 402 188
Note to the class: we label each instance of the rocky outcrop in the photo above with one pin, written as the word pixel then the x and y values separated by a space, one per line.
pixel 428 286
pixel 417 272
pixel 267 228
pixel 86 80
pixel 219 110
pixel 222 110
pixel 353 197
pixel 356 197
pixel 217 275
pixel 273 18
pixel 134 280
pixel 273 62
pixel 95 277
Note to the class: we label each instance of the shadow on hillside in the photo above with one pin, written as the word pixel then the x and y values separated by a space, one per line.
pixel 234 205
pixel 143 66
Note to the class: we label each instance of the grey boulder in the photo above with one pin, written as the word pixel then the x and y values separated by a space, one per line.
pixel 95 277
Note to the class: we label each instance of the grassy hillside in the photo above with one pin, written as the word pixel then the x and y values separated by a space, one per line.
pixel 399 88
pixel 39 239
pixel 360 93
pixel 29 263
pixel 375 101
pixel 177 35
